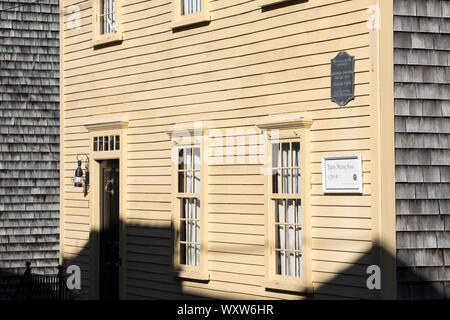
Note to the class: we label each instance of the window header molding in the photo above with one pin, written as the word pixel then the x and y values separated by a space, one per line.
pixel 286 121
pixel 187 133
pixel 106 124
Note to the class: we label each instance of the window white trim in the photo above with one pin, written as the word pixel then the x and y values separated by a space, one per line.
pixel 292 128
pixel 194 138
pixel 100 38
pixel 182 20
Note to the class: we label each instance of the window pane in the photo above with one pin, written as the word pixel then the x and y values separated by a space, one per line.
pixel 180 159
pixel 298 211
pixel 298 264
pixel 190 255
pixel 181 182
pixel 280 257
pixel 184 7
pixel 106 143
pixel 188 182
pixel 100 144
pixel 279 211
pixel 290 227
pixel 296 165
pixel 197 216
pixel 276 181
pixel 184 208
pixel 117 143
pixel 286 181
pixel 296 180
pixel 196 158
pixel 182 253
pixel 285 155
pixel 191 232
pixel 298 238
pixel 275 155
pixel 111 143
pixel 183 230
pixel 296 154
pixel 196 167
pixel 95 144
pixel 280 235
pixel 197 254
pixel 290 263
pixel 197 182
pixel 188 158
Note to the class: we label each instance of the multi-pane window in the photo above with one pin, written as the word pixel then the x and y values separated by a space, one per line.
pixel 285 195
pixel 108 16
pixel 106 143
pixel 189 192
pixel 190 6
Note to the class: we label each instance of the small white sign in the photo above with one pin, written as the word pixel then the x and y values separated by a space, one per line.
pixel 342 174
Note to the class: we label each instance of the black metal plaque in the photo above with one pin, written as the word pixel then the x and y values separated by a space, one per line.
pixel 343 78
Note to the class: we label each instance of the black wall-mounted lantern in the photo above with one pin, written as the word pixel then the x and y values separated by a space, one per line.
pixel 79 174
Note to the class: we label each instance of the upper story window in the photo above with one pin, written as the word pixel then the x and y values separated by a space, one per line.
pixel 191 6
pixel 106 21
pixel 190 12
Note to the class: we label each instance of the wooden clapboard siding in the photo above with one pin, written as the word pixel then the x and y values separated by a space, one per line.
pixel 246 64
pixel 29 138
pixel 422 132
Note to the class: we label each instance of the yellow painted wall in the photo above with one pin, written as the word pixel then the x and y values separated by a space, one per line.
pixel 246 64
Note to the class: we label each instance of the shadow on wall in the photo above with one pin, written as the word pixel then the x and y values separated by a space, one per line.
pixel 149 269
pixel 355 278
pixel 9 282
pixel 150 273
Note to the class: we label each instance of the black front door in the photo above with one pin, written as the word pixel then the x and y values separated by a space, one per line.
pixel 109 230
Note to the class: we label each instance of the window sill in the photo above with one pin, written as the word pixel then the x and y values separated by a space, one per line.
pixel 265 3
pixel 107 39
pixel 190 275
pixel 288 286
pixel 191 19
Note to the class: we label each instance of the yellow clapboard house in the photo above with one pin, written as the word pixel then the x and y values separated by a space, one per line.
pixel 195 135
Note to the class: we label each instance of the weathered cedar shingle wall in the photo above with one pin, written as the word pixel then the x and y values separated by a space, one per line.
pixel 29 137
pixel 422 110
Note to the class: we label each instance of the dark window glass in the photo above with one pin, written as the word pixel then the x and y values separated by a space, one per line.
pixel 111 143
pixel 117 142
pixel 181 173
